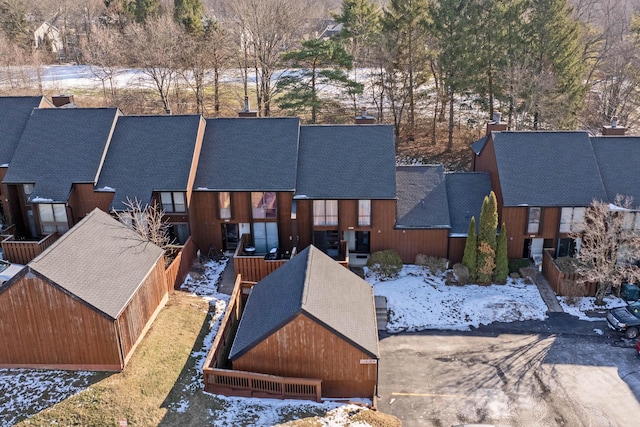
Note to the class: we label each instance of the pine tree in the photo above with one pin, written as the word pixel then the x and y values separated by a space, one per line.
pixel 189 13
pixel 470 256
pixel 321 63
pixel 502 262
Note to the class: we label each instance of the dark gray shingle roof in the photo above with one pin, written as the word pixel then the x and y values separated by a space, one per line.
pixel 114 262
pixel 547 169
pixel 14 113
pixel 149 153
pixel 313 284
pixel 346 162
pixel 618 159
pixel 478 145
pixel 422 197
pixel 466 192
pixel 60 147
pixel 249 154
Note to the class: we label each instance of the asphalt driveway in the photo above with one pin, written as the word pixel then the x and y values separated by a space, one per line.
pixel 558 372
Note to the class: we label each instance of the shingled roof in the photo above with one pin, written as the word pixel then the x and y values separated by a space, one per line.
pixel 14 114
pixel 60 147
pixel 618 158
pixel 312 284
pixel 249 154
pixel 422 197
pixel 115 261
pixel 346 162
pixel 466 192
pixel 147 154
pixel 547 169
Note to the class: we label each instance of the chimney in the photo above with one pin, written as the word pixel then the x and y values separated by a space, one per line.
pixel 614 129
pixel 247 112
pixel 363 119
pixel 496 125
pixel 60 100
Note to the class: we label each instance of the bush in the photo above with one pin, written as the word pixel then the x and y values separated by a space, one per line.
pixel 434 264
pixel 385 264
pixel 515 264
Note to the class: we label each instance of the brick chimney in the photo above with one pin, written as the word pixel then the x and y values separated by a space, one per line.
pixel 496 125
pixel 614 129
pixel 60 100
pixel 247 112
pixel 363 119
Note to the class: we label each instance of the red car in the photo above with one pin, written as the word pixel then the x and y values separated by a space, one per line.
pixel 638 346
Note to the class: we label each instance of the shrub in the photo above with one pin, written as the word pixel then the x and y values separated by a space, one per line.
pixel 502 263
pixel 470 258
pixel 385 264
pixel 434 264
pixel 515 264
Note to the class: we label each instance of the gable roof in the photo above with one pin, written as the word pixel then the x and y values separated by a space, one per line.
pixel 249 154
pixel 547 169
pixel 466 192
pixel 617 158
pixel 479 145
pixel 346 162
pixel 422 197
pixel 14 114
pixel 114 259
pixel 313 284
pixel 147 154
pixel 60 147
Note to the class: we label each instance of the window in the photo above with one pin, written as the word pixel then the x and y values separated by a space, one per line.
pixel 263 205
pixel 265 236
pixel 364 212
pixel 533 224
pixel 178 233
pixel 173 202
pixel 224 205
pixel 53 217
pixel 325 212
pixel 571 219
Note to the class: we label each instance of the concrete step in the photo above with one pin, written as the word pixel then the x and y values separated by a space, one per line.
pixel 382 314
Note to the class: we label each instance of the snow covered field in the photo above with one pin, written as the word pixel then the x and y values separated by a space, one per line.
pixel 417 300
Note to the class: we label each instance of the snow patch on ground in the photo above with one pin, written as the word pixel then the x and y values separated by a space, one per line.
pixel 418 300
pixel 581 306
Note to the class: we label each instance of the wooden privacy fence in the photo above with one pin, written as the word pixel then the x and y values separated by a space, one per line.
pixel 248 384
pixel 23 251
pixel 179 267
pixel 564 283
pixel 254 268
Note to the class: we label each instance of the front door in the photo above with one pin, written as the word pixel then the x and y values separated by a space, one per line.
pixel 230 236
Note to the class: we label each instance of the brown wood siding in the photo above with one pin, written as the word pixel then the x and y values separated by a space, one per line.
pixel 196 157
pixel 4 196
pixel 18 209
pixel 303 348
pixel 486 162
pixel 151 294
pixel 43 326
pixel 240 207
pixel 83 200
pixel 409 242
pixel 203 219
pixel 347 214
pixel 550 223
pixel 285 230
pixel 456 249
pixel 304 217
pixel 515 220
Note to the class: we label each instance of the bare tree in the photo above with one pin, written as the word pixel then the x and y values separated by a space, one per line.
pixel 609 245
pixel 267 28
pixel 103 53
pixel 148 221
pixel 154 48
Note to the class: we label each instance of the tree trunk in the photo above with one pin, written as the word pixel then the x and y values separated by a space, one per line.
pixel 451 122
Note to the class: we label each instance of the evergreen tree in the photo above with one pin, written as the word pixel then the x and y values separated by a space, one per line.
pixel 469 259
pixel 145 9
pixel 189 13
pixel 321 63
pixel 487 239
pixel 555 70
pixel 403 26
pixel 502 262
pixel 360 21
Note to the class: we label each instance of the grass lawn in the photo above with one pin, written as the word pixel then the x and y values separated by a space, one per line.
pixel 161 386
